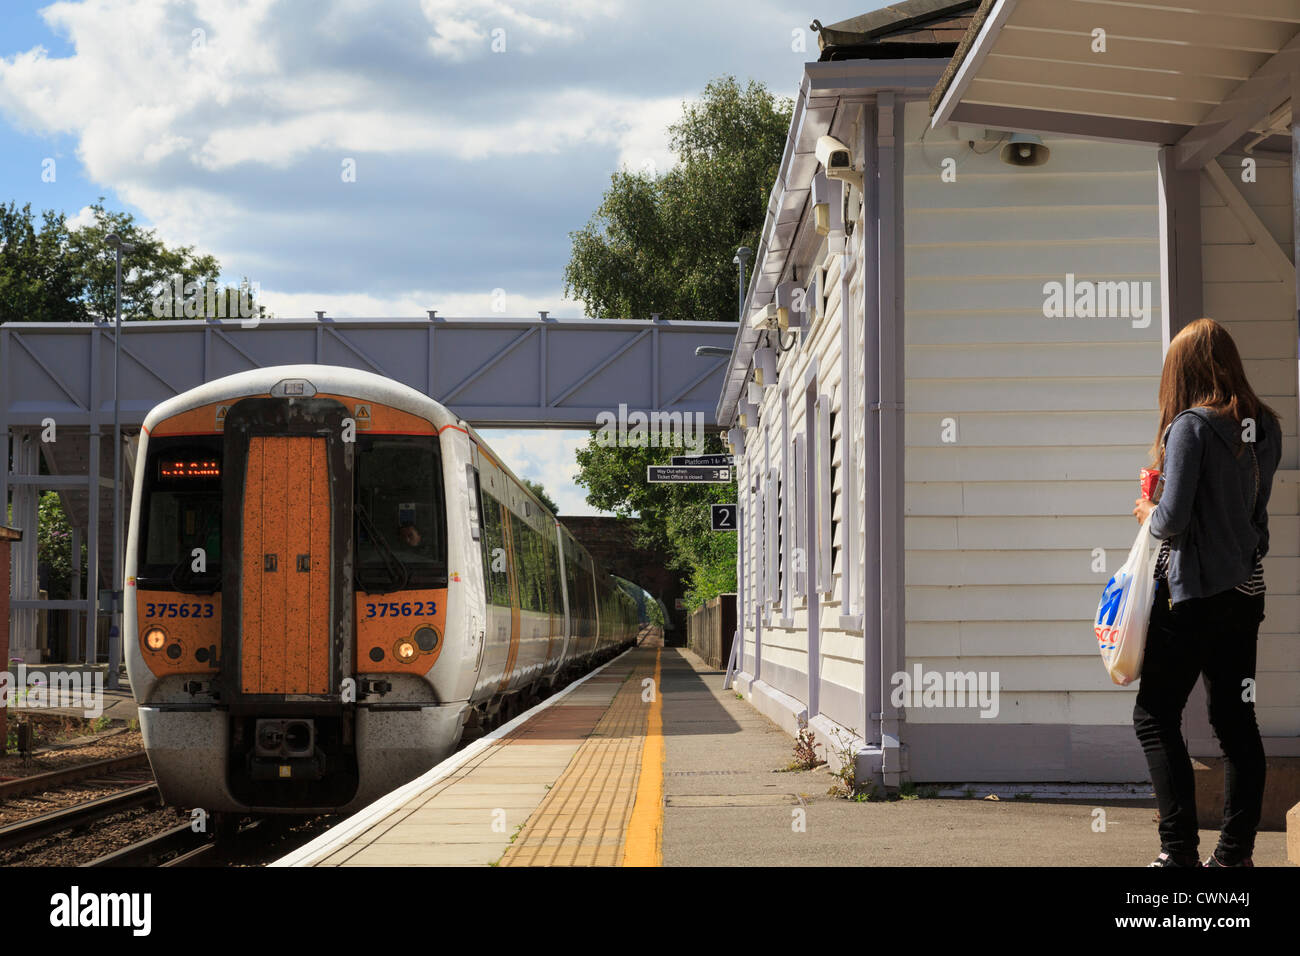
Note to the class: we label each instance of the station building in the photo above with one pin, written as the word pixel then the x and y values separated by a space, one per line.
pixel 941 393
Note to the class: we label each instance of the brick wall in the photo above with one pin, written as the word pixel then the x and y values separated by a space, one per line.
pixel 611 541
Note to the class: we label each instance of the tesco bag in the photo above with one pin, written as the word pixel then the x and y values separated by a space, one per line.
pixel 1125 611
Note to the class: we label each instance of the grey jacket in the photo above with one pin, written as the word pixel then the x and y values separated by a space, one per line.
pixel 1209 510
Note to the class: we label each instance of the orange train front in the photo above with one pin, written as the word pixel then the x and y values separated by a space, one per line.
pixel 328 577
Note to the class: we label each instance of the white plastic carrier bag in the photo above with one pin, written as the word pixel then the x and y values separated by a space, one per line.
pixel 1125 611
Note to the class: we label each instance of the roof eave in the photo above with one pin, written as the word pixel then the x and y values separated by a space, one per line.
pixel 822 82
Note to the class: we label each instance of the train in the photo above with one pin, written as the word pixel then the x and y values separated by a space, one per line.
pixel 329 578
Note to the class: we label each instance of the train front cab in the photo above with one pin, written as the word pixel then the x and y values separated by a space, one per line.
pixel 291 597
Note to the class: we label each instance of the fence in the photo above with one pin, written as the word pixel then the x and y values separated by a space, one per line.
pixel 710 629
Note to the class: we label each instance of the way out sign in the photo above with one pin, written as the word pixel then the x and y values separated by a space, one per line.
pixel 722 517
pixel 688 474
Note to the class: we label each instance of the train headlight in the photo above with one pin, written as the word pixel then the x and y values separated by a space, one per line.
pixel 155 638
pixel 405 651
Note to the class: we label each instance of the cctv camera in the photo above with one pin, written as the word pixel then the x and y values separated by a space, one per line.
pixel 764 318
pixel 837 160
pixel 833 154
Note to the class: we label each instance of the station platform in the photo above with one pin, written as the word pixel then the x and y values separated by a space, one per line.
pixel 606 774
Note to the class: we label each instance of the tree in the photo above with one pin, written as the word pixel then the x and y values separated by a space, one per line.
pixel 539 490
pixel 56 274
pixel 665 243
pixel 54 545
pixel 674 517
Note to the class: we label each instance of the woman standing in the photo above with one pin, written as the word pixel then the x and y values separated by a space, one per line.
pixel 1217 448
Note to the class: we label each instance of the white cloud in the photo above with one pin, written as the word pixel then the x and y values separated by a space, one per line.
pixel 84 217
pixel 549 457
pixel 414 303
pixel 462 28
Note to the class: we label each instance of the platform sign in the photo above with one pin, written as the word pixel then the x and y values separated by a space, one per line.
pixel 722 517
pixel 688 474
pixel 719 460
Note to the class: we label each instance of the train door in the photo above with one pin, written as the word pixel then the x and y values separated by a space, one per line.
pixel 288 515
pixel 286 566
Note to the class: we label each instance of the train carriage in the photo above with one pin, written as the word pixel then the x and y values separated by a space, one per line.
pixel 328 576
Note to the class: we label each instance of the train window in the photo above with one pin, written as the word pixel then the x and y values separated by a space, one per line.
pixel 530 552
pixel 181 512
pixel 400 513
pixel 495 559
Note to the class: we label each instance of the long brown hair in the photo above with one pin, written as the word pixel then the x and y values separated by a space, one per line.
pixel 1203 368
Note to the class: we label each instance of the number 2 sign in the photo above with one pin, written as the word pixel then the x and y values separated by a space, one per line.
pixel 722 517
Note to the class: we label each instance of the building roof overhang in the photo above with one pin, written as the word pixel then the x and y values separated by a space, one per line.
pixel 1203 76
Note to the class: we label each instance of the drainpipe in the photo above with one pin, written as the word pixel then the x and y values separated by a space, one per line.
pixel 890 408
pixel 872 682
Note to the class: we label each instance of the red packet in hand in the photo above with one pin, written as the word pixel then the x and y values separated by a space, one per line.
pixel 1150 478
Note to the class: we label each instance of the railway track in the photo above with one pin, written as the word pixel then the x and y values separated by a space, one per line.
pixel 77 815
pixel 168 848
pixel 56 779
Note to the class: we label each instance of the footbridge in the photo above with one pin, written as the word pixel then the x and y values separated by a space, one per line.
pixel 493 372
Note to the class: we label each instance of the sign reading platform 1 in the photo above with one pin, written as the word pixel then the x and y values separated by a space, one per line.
pixel 688 474
pixel 724 461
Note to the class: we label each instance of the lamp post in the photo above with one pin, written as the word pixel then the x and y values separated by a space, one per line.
pixel 115 633
pixel 743 255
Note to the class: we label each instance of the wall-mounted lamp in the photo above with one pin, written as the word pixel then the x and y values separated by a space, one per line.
pixel 765 367
pixel 787 316
pixel 828 204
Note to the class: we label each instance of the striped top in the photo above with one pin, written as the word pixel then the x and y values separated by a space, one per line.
pixel 1252 585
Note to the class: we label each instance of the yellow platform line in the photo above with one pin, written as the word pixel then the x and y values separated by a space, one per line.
pixel 583 818
pixel 645 831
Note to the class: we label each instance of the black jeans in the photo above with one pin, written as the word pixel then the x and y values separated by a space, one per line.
pixel 1214 636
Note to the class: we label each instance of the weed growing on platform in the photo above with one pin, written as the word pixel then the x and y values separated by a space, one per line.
pixel 805 752
pixel 846 777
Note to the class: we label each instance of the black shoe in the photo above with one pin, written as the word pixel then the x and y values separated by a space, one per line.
pixel 1164 859
pixel 1214 861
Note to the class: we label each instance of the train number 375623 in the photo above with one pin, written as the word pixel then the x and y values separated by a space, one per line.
pixel 179 610
pixel 404 609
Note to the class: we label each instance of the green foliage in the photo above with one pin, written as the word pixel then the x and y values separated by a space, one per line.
pixel 674 518
pixel 54 545
pixel 665 243
pixel 539 490
pixel 50 273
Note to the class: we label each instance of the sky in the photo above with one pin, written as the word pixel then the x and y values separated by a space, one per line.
pixel 375 157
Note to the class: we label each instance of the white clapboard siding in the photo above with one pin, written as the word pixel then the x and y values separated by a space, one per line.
pixel 1248 279
pixel 1248 284
pixel 1053 416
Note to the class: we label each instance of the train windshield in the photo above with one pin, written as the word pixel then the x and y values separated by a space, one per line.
pixel 181 520
pixel 401 515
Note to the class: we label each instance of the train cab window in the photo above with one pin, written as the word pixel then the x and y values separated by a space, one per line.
pixel 182 512
pixel 400 509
